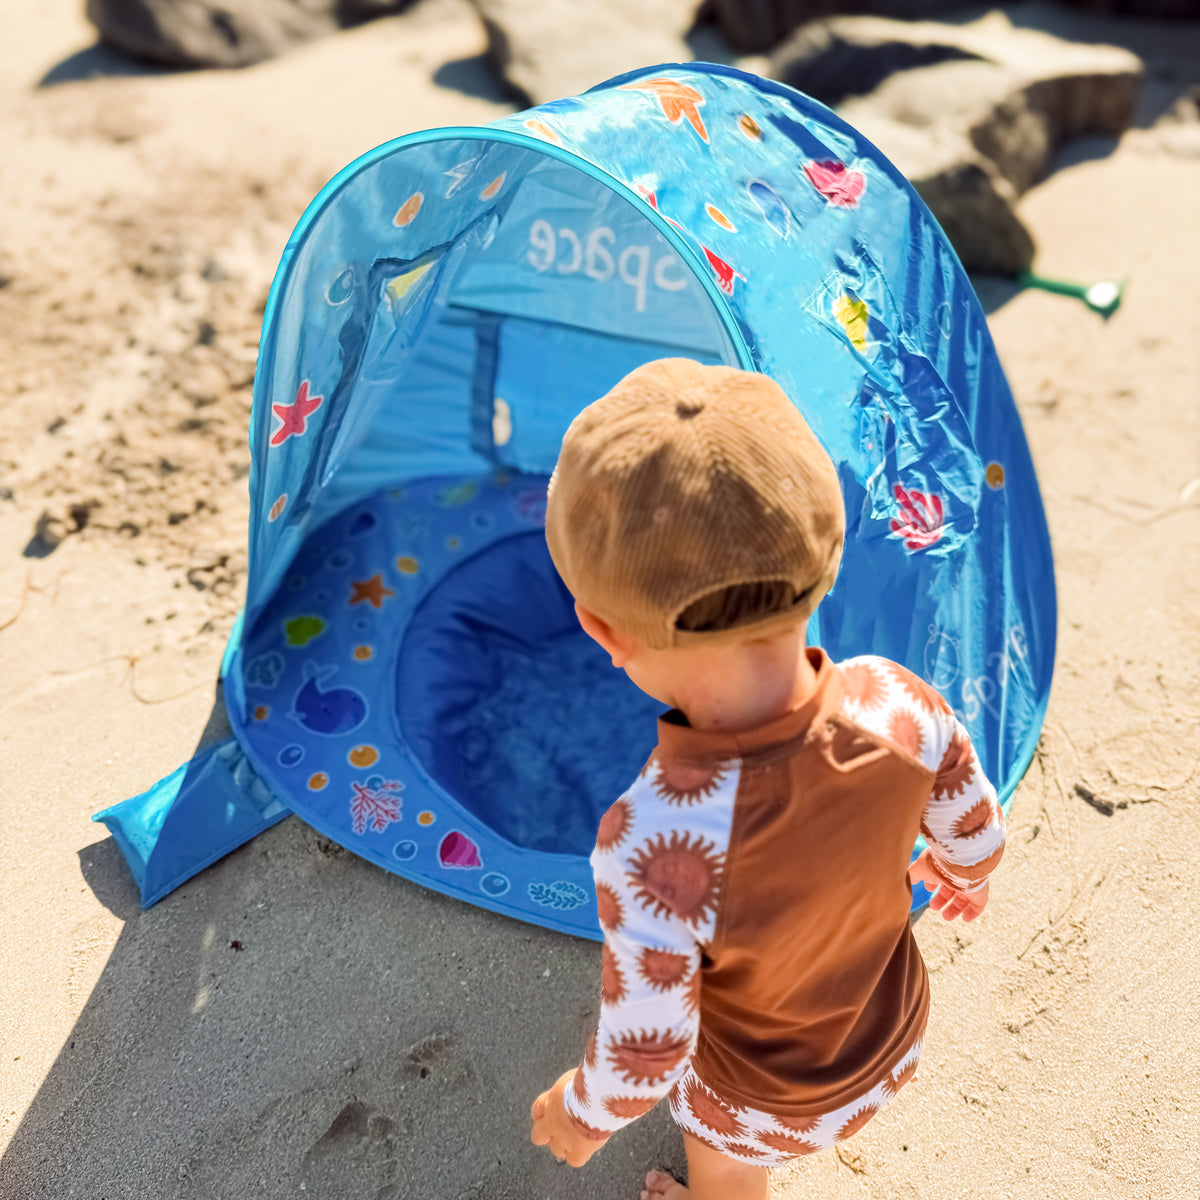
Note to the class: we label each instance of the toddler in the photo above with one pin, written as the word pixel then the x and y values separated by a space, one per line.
pixel 753 886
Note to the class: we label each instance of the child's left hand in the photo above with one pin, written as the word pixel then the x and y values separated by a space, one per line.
pixel 553 1127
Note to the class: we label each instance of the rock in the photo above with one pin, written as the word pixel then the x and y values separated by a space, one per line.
pixel 222 33
pixel 557 48
pixel 977 122
pixel 756 26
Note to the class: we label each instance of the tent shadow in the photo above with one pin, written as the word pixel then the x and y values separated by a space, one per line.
pixel 296 1018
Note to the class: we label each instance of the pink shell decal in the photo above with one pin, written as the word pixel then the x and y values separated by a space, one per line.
pixel 837 183
pixel 457 850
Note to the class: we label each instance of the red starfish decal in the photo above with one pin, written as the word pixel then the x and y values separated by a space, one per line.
pixel 295 415
pixel 677 100
pixel 921 523
pixel 371 590
pixel 837 184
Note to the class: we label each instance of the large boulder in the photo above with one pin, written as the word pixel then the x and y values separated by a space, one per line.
pixel 976 122
pixel 222 33
pixel 757 26
pixel 555 48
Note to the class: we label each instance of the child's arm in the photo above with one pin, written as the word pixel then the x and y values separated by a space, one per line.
pixel 964 828
pixel 649 1019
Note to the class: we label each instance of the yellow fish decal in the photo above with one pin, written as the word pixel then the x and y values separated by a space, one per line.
pixel 401 285
pixel 852 315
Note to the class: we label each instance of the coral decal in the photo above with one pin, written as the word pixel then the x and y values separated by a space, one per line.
pixel 371 591
pixel 838 184
pixel 294 416
pixel 920 521
pixel 678 101
pixel 724 272
pixel 561 895
pixel 852 316
pixel 457 850
pixel 375 807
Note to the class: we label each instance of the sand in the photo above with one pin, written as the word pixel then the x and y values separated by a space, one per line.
pixel 295 1021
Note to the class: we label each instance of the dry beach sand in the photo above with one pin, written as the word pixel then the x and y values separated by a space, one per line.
pixel 296 1022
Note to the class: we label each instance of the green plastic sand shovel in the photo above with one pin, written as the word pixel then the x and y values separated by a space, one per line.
pixel 1103 298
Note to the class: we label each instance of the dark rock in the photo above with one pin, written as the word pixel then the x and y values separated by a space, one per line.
pixel 555 48
pixel 756 26
pixel 222 33
pixel 977 123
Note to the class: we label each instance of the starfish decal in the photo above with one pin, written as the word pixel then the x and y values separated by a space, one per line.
pixel 370 590
pixel 295 415
pixel 677 100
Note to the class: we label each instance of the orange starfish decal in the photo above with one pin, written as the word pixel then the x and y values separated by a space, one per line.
pixel 677 100
pixel 371 590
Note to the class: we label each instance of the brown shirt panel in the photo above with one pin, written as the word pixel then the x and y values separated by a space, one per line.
pixel 813 986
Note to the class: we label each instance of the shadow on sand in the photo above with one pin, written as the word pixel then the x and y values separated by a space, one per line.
pixel 296 1021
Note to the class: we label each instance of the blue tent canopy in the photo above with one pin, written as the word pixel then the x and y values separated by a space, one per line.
pixel 408 676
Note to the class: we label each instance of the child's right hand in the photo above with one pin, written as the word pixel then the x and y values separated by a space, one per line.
pixel 946 898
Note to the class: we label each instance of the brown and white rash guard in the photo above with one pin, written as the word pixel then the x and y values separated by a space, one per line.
pixel 754 897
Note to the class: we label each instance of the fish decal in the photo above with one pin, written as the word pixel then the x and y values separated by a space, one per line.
pixel 337 710
pixel 771 205
pixel 852 315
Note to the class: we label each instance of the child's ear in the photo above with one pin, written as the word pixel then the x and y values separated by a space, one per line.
pixel 618 645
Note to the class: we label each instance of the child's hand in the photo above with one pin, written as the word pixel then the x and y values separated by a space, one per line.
pixel 946 898
pixel 553 1127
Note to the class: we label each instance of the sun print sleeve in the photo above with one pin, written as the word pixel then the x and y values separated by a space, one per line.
pixel 963 822
pixel 658 864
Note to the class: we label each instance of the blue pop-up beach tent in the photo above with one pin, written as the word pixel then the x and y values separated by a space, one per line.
pixel 408 676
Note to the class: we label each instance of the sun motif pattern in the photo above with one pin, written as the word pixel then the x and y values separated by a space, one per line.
pixel 769 1141
pixel 963 823
pixel 658 866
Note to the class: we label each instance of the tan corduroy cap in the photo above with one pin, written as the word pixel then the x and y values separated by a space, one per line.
pixel 685 480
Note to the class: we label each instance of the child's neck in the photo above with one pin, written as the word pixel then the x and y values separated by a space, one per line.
pixel 747 685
